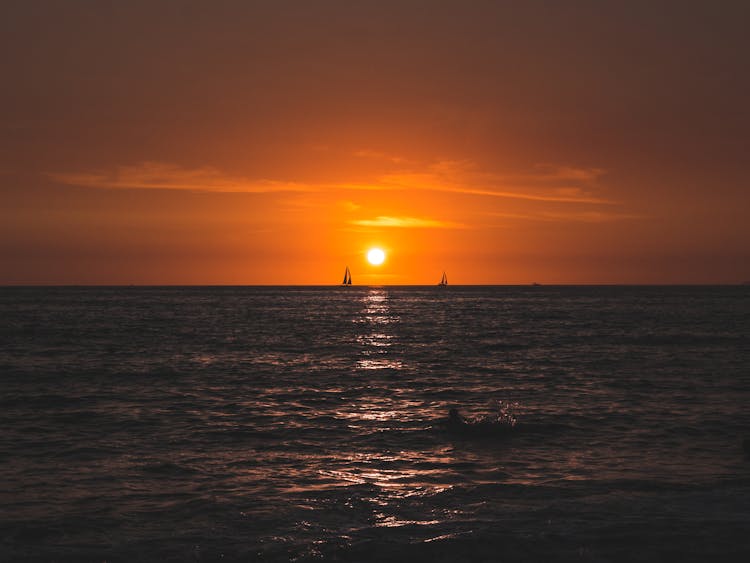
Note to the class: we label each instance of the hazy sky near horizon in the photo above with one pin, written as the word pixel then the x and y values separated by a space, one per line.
pixel 247 142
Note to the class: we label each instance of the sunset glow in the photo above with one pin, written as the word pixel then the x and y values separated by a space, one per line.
pixel 271 148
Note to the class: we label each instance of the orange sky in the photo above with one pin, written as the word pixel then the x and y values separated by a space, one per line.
pixel 276 142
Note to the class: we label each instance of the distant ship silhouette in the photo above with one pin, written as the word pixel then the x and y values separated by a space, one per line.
pixel 444 280
pixel 347 277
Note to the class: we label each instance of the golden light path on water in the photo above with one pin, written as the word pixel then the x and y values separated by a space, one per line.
pixel 377 317
pixel 396 464
pixel 392 472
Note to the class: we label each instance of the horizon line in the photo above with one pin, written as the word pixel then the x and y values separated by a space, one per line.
pixel 339 285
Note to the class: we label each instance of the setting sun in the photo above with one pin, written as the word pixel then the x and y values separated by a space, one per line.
pixel 375 256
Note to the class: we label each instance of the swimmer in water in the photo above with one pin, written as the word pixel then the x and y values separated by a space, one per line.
pixel 455 420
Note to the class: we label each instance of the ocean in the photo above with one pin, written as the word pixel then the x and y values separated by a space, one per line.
pixel 309 423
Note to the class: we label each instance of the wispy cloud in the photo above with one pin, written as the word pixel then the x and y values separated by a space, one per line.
pixel 545 183
pixel 591 216
pixel 160 176
pixel 407 222
pixel 560 173
pixel 576 216
pixel 557 195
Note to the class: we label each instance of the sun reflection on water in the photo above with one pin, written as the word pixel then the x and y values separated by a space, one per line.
pixel 379 364
pixel 390 473
pixel 378 340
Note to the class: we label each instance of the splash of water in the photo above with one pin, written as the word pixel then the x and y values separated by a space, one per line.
pixel 505 414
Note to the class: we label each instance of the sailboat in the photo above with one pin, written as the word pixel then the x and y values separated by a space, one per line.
pixel 347 277
pixel 444 280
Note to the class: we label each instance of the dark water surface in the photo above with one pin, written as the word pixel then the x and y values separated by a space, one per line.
pixel 223 424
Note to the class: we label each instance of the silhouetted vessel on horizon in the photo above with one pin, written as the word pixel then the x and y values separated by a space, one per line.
pixel 444 280
pixel 347 277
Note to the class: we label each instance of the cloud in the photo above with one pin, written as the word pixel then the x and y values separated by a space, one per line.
pixel 407 222
pixel 576 216
pixel 552 172
pixel 558 195
pixel 562 184
pixel 160 176
pixel 590 216
pixel 550 184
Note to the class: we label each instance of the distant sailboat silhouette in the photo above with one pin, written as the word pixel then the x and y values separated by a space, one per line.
pixel 444 280
pixel 347 277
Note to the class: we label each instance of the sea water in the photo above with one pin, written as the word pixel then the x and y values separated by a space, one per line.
pixel 306 423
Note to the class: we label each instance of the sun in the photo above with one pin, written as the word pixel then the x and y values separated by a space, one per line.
pixel 375 256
